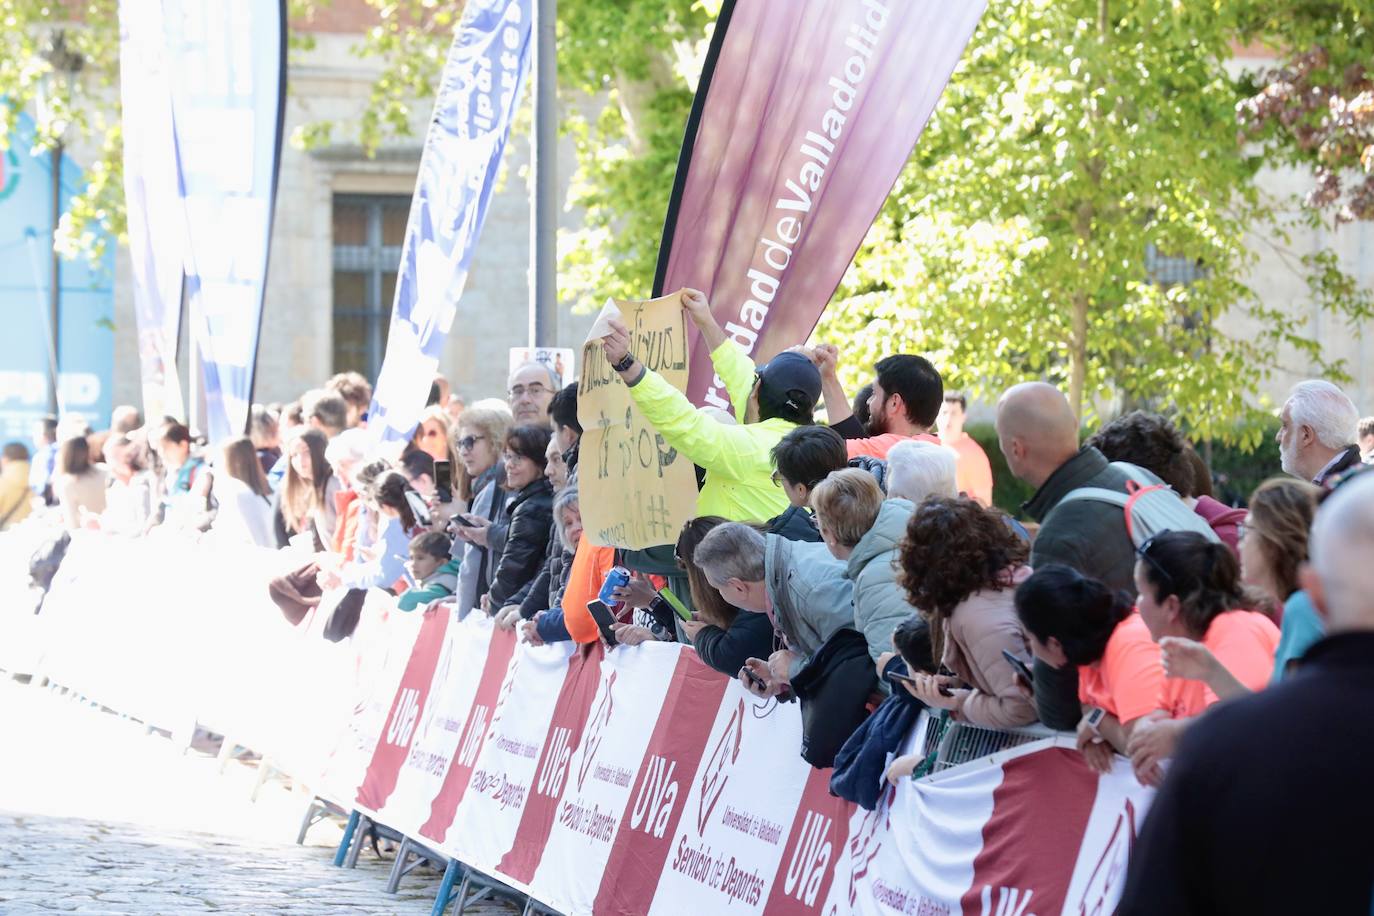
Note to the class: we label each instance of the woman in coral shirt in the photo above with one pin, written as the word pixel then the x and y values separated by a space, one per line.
pixel 1190 588
pixel 1071 619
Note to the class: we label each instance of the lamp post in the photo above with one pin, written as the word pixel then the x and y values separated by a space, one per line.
pixel 55 92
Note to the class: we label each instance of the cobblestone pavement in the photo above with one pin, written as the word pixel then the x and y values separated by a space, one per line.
pixel 99 817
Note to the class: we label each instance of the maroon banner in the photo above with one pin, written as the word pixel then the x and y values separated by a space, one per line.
pixel 645 838
pixel 474 734
pixel 805 115
pixel 411 696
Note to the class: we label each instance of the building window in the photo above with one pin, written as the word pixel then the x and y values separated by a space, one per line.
pixel 368 232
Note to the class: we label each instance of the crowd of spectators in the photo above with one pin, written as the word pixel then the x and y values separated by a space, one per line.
pixel 1128 603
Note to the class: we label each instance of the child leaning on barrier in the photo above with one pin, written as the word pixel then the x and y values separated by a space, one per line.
pixel 434 571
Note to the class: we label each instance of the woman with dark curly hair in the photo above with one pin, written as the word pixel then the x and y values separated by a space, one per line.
pixel 960 567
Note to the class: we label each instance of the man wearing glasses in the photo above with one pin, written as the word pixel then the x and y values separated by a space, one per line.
pixel 531 389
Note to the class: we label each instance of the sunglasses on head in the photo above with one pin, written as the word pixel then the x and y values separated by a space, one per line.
pixel 1143 551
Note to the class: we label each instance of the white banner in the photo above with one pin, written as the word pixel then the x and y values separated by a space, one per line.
pixel 634 781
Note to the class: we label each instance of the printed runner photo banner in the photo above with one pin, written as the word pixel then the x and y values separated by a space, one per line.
pixel 467 135
pixel 156 223
pixel 226 63
pixel 806 112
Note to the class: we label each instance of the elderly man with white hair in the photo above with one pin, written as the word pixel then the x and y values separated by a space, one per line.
pixel 917 469
pixel 1295 754
pixel 1317 431
pixel 531 389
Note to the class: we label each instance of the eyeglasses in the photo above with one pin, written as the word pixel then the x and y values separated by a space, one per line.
pixel 1143 551
pixel 511 457
pixel 777 478
pixel 534 390
pixel 468 443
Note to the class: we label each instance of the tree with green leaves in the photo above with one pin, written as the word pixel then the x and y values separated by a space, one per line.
pixel 1081 210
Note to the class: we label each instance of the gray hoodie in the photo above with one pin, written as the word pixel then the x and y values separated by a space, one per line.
pixel 879 602
pixel 810 594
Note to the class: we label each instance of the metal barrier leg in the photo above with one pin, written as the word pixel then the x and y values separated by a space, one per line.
pixel 364 822
pixel 314 813
pixel 441 900
pixel 463 894
pixel 349 829
pixel 398 866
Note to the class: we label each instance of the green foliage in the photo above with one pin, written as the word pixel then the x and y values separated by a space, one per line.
pixel 1076 139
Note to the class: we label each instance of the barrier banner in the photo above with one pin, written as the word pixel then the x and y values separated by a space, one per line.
pixel 156 223
pixel 633 780
pixel 637 491
pixel 473 108
pixel 226 65
pixel 804 116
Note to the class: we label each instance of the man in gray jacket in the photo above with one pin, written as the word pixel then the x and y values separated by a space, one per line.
pixel 799 585
pixel 864 530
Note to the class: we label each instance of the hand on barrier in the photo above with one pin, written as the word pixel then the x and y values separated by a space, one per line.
pixel 1151 742
pixel 1096 751
pixel 508 617
pixel 628 634
pixel 902 767
pixel 529 632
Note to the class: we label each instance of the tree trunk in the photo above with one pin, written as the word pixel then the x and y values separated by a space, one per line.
pixel 1078 354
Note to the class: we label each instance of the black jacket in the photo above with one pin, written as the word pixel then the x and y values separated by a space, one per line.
pixel 1267 807
pixel 750 636
pixel 1089 536
pixel 527 537
pixel 1348 459
pixel 796 524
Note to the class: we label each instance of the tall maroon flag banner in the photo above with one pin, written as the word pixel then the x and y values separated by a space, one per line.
pixel 806 112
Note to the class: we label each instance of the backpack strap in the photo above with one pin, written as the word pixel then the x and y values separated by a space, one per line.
pixel 1136 491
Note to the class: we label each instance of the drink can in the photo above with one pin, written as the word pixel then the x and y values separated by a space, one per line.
pixel 618 577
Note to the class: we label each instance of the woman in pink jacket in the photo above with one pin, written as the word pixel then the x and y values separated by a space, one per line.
pixel 960 567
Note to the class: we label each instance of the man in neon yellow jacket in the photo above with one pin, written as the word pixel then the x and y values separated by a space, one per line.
pixel 770 401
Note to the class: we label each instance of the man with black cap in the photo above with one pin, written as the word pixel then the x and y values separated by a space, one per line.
pixel 770 401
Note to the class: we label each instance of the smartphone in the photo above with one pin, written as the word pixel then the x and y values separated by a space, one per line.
pixel 443 481
pixel 460 520
pixel 605 620
pixel 1020 667
pixel 675 603
pixel 906 679
pixel 753 678
pixel 417 507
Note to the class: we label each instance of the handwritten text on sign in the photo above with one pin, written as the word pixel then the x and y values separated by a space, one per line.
pixel 636 491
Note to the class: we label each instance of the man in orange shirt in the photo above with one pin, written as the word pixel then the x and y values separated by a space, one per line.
pixel 905 399
pixel 974 472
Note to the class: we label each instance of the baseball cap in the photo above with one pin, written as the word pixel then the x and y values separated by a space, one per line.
pixel 787 377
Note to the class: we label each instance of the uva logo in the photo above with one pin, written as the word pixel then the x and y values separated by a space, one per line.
pixel 403 720
pixel 715 776
pixel 657 795
pixel 865 845
pixel 600 716
pixel 810 859
pixel 554 771
pixel 472 740
pixel 1103 887
pixel 1011 901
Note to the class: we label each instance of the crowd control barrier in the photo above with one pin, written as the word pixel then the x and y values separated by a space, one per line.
pixel 634 780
